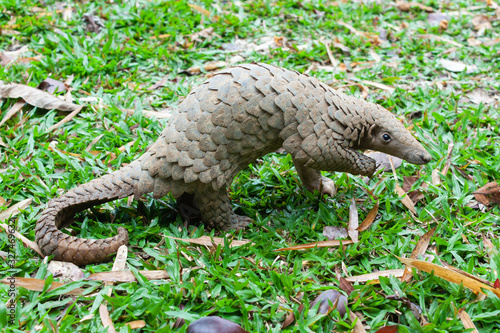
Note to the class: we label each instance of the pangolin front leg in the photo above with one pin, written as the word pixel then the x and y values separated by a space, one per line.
pixel 216 211
pixel 313 180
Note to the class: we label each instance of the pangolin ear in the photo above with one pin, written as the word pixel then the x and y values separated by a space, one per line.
pixel 370 130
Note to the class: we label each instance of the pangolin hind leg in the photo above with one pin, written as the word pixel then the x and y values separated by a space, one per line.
pixel 216 210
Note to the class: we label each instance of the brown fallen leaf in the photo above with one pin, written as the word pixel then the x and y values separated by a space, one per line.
pixel 420 248
pixel 440 38
pixel 492 42
pixel 389 329
pixel 118 265
pixel 466 321
pixel 375 276
pixel 163 36
pixel 211 241
pixel 149 114
pixel 449 275
pixel 353 222
pixel 65 271
pixel 127 276
pixel 136 324
pixel 358 326
pixel 38 285
pixel 345 285
pixel 28 243
pixel 478 96
pixel 333 297
pixel 370 217
pixel 436 19
pixel 382 160
pixel 51 86
pixel 457 67
pixel 488 195
pixel 67 118
pixel 12 111
pixel 35 97
pixel 379 85
pixel 481 23
pixel 407 6
pixel 207 67
pixel 372 37
pixel 290 318
pixel 334 232
pixel 205 12
pixel 415 195
pixel 328 243
pixel 402 194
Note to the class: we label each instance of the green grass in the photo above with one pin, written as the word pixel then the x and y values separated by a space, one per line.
pixel 119 63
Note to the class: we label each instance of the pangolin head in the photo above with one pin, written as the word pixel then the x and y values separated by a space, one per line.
pixel 385 133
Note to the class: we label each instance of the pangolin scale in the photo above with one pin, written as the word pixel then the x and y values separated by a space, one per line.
pixel 223 125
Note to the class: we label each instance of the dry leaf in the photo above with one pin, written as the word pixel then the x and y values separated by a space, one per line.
pixel 205 33
pixel 389 329
pixel 353 221
pixel 382 160
pixel 358 327
pixel 106 318
pixel 379 85
pixel 51 86
pixel 38 285
pixel 333 297
pixel 446 167
pixel 333 232
pixel 205 12
pixel 415 195
pixel 465 318
pixel 12 111
pixel 65 271
pixel 212 241
pixel 127 276
pixel 328 243
pixel 440 38
pixel 492 42
pixel 35 97
pixel 449 275
pixel 136 324
pixel 29 243
pixel 420 248
pixel 149 114
pixel 207 67
pixel 407 6
pixel 345 285
pixel 375 276
pixel 437 18
pixel 118 266
pixel 370 217
pixel 15 209
pixel 404 198
pixel 478 96
pixel 372 37
pixel 488 195
pixel 481 22
pixel 436 177
pixel 67 118
pixel 457 67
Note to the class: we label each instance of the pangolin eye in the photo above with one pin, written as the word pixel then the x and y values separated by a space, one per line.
pixel 386 137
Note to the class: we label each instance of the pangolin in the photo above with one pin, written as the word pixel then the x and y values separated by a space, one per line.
pixel 223 125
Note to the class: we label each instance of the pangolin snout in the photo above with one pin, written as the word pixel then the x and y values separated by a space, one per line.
pixel 420 158
pixel 425 157
pixel 417 157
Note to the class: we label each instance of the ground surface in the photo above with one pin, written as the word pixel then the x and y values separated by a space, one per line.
pixel 438 73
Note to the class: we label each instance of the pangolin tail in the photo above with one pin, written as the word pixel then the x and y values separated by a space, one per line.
pixel 59 212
